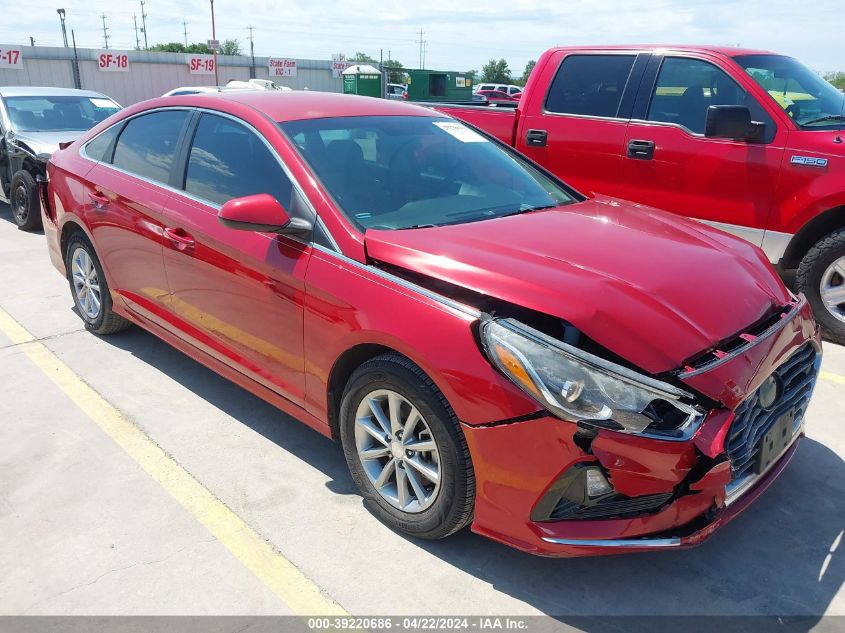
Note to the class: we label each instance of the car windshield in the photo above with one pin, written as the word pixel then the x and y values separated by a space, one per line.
pixel 812 102
pixel 58 114
pixel 401 172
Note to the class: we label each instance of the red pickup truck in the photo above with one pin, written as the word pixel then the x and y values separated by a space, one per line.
pixel 747 141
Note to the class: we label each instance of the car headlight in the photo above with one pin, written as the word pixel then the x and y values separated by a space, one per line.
pixel 578 386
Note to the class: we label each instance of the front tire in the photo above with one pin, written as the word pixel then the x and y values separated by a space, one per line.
pixel 89 288
pixel 405 449
pixel 24 202
pixel 821 277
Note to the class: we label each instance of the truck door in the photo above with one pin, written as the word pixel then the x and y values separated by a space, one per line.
pixel 670 164
pixel 577 129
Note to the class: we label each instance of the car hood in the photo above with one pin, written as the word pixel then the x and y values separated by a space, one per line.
pixel 654 288
pixel 46 142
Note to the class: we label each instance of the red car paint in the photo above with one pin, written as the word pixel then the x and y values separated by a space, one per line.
pixel 750 189
pixel 654 289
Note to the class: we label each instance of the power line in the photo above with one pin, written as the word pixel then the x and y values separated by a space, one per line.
pixel 422 44
pixel 105 31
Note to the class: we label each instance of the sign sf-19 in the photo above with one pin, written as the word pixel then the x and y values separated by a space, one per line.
pixel 282 67
pixel 113 62
pixel 11 58
pixel 201 64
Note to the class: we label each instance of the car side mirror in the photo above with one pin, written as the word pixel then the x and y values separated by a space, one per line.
pixel 263 213
pixel 733 122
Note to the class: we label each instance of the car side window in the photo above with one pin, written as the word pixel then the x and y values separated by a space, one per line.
pixel 100 149
pixel 147 145
pixel 686 87
pixel 590 85
pixel 227 160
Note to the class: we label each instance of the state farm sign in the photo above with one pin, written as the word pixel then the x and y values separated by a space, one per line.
pixel 282 67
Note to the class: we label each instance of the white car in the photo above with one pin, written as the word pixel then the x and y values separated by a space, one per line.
pixel 508 89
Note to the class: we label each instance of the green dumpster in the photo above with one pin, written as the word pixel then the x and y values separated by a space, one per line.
pixel 438 85
pixel 362 79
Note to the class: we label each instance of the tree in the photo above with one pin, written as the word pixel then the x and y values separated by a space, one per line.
pixel 230 47
pixel 527 72
pixel 496 72
pixel 472 74
pixel 393 67
pixel 178 47
pixel 363 57
pixel 836 78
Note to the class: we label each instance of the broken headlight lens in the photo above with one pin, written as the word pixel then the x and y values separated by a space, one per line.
pixel 578 386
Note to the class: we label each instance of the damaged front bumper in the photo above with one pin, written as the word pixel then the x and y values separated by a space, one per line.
pixel 666 493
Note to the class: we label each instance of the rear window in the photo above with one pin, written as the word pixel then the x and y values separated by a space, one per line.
pixel 590 85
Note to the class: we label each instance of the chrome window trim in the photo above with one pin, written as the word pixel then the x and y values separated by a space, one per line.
pixel 182 192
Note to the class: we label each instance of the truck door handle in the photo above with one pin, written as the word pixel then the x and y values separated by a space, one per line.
pixel 642 150
pixel 180 239
pixel 536 138
pixel 99 202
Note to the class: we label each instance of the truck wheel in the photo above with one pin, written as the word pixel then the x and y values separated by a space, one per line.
pixel 25 206
pixel 405 449
pixel 89 288
pixel 821 277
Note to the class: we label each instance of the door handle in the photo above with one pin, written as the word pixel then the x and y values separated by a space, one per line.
pixel 536 138
pixel 179 238
pixel 98 201
pixel 641 150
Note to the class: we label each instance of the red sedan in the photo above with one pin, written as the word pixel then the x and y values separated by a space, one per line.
pixel 569 375
pixel 497 96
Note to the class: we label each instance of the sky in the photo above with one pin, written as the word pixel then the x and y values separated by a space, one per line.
pixel 459 35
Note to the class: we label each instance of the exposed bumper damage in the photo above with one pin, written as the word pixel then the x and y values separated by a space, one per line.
pixel 663 493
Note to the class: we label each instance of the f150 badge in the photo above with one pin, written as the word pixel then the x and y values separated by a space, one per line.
pixel 809 161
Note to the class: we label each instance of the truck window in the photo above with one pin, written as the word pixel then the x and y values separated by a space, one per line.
pixel 590 85
pixel 687 87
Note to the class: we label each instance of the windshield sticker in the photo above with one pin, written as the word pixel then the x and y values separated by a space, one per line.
pixel 104 103
pixel 460 132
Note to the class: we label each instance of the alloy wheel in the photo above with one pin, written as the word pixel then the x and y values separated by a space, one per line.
pixel 21 204
pixel 397 451
pixel 86 283
pixel 832 289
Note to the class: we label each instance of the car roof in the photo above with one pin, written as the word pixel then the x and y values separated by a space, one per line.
pixel 46 91
pixel 299 104
pixel 728 51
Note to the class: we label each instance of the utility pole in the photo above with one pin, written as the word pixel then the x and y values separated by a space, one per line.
pixel 105 31
pixel 61 13
pixel 185 31
pixel 77 80
pixel 425 50
pixel 421 42
pixel 31 41
pixel 144 24
pixel 214 37
pixel 137 40
pixel 251 52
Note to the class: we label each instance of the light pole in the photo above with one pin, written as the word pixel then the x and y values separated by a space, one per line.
pixel 61 13
pixel 214 50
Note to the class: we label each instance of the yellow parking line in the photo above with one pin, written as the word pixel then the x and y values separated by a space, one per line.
pixel 271 568
pixel 826 375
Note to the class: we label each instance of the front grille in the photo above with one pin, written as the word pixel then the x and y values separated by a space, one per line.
pixel 609 507
pixel 751 422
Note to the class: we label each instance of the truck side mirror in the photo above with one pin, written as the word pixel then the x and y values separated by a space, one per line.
pixel 733 122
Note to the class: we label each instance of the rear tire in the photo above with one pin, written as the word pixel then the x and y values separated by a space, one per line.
pixel 821 277
pixel 89 288
pixel 26 209
pixel 430 507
